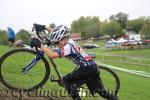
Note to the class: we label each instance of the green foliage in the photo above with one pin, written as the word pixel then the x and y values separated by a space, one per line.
pixel 121 18
pixel 24 35
pixel 3 37
pixel 145 31
pixel 112 28
pixel 92 27
pixel 88 27
pixel 135 25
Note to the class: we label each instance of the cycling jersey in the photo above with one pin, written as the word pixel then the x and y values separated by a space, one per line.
pixel 74 52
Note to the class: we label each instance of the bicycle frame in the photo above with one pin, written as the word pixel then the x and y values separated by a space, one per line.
pixel 38 56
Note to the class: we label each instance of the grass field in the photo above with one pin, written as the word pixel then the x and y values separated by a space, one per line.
pixel 133 87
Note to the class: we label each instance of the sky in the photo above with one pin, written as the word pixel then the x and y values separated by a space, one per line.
pixel 21 14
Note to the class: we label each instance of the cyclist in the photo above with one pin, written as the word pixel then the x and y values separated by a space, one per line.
pixel 11 36
pixel 87 72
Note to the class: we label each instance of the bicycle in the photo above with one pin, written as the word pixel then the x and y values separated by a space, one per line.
pixel 34 71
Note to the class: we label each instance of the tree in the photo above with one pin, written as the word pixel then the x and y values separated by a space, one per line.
pixel 79 25
pixel 121 18
pixel 112 28
pixel 112 17
pixel 24 35
pixel 145 31
pixel 135 25
pixel 3 37
pixel 88 27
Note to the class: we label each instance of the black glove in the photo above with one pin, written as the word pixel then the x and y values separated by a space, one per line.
pixel 35 43
pixel 39 27
pixel 46 41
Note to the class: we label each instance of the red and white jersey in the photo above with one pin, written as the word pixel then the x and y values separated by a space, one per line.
pixel 73 51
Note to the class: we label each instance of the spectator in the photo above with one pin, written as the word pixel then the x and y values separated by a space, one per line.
pixel 11 36
pixel 19 43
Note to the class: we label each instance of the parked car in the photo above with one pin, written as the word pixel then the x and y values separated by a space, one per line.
pixel 90 46
pixel 146 43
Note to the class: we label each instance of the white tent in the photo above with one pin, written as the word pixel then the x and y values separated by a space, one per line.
pixel 136 37
pixel 112 41
pixel 121 40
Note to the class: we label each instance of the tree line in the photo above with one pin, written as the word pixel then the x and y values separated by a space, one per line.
pixel 93 27
pixel 115 27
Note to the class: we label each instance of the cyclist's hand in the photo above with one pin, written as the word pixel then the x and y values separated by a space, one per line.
pixel 35 43
pixel 39 27
pixel 46 41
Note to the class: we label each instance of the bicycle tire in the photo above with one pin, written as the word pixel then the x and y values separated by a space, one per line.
pixel 28 51
pixel 115 76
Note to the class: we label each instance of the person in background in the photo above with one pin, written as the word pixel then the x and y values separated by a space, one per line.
pixel 11 36
pixel 19 43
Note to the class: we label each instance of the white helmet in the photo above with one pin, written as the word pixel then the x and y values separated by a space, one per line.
pixel 58 33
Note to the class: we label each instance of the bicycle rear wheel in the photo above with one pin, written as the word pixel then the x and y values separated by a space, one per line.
pixel 110 79
pixel 11 75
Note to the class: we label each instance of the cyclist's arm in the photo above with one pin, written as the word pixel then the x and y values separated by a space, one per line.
pixel 49 52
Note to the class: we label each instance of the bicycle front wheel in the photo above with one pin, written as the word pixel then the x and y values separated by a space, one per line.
pixel 11 75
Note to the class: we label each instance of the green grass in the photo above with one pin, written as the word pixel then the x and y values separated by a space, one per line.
pixel 131 59
pixel 133 87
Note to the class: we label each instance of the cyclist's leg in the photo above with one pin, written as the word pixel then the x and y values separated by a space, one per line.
pixel 95 85
pixel 11 42
pixel 72 80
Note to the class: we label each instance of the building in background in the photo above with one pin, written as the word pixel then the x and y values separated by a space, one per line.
pixel 76 36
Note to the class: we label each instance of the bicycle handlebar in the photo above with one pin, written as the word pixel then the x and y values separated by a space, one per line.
pixel 40 29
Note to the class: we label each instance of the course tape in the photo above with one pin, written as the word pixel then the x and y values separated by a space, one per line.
pixel 141 73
